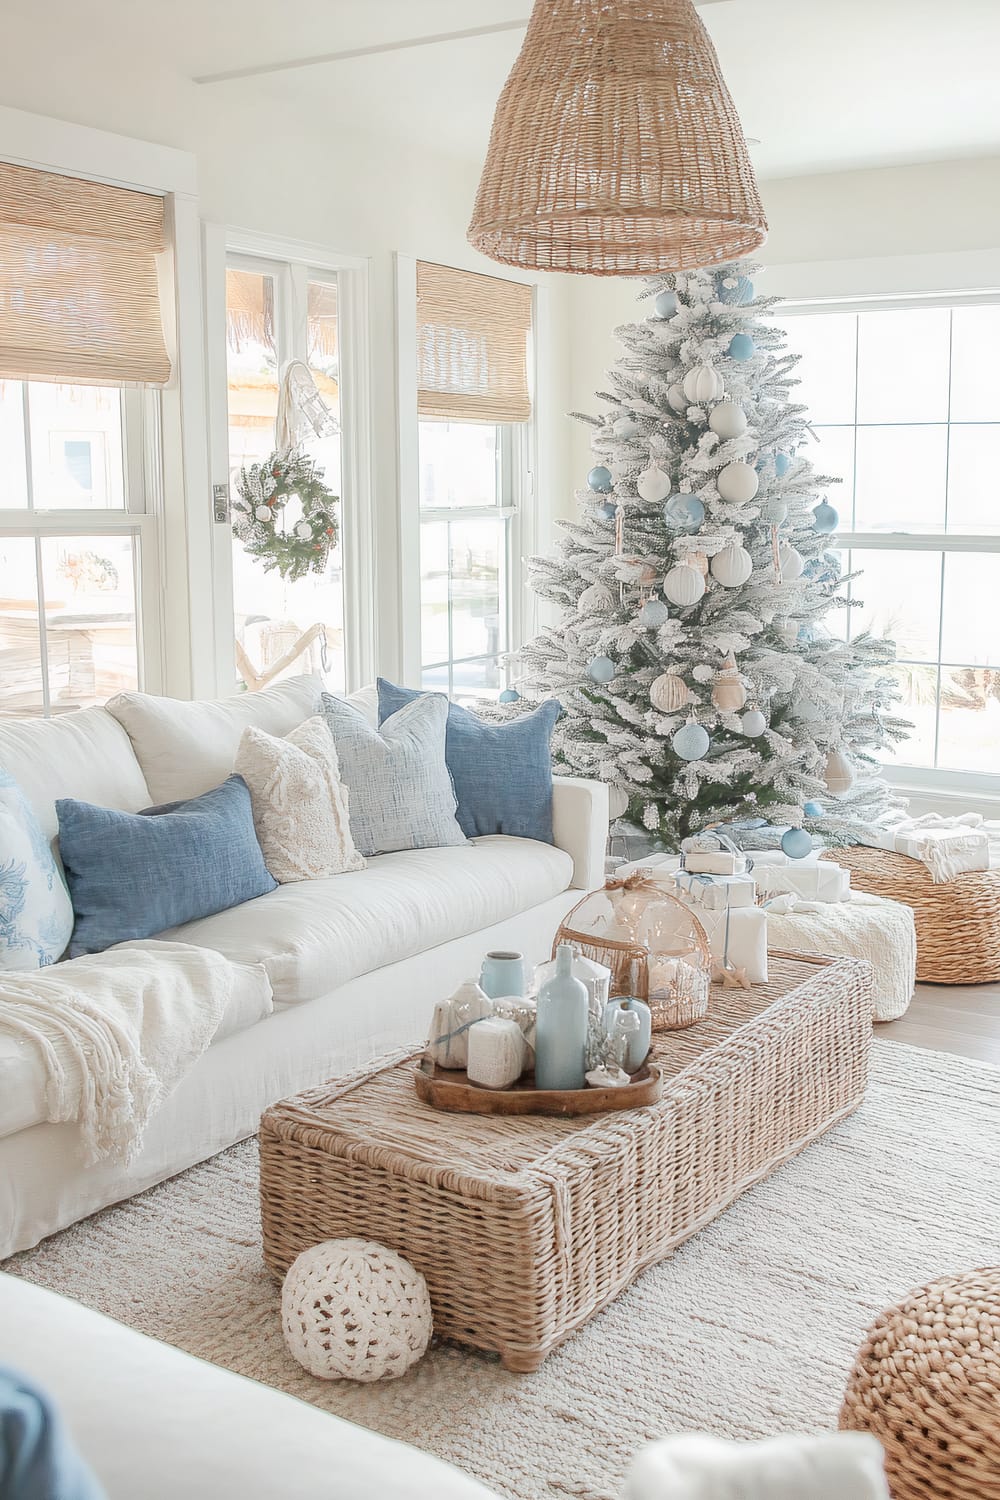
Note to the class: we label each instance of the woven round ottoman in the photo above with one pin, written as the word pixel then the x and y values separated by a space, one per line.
pixel 958 922
pixel 926 1382
pixel 864 927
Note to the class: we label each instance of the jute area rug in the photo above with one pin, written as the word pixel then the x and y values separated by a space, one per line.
pixel 749 1329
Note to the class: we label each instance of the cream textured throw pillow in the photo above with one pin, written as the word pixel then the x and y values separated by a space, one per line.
pixel 299 802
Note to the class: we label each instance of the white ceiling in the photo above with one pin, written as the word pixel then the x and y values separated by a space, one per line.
pixel 825 84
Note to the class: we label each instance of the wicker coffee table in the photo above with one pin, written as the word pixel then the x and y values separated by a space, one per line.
pixel 525 1226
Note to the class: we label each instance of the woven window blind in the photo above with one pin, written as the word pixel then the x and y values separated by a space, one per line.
pixel 472 346
pixel 79 300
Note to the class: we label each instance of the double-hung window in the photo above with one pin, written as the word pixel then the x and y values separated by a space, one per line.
pixel 473 441
pixel 81 352
pixel 905 403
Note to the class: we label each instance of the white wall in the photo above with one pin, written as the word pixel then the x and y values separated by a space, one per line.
pixel 281 168
pixel 934 227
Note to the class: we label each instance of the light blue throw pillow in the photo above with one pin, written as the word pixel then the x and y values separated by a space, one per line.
pixel 36 915
pixel 502 772
pixel 133 875
pixel 38 1460
pixel 401 796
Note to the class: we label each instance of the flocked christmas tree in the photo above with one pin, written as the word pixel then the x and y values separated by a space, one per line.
pixel 691 657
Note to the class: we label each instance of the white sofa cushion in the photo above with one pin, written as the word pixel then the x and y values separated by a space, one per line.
pixel 158 1424
pixel 23 1075
pixel 186 748
pixel 85 755
pixel 316 935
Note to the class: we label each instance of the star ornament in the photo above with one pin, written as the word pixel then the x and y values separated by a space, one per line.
pixel 730 977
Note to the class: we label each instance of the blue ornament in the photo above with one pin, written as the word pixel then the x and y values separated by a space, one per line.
pixel 601 480
pixel 813 810
pixel 796 843
pixel 806 633
pixel 691 741
pixel 509 695
pixel 782 464
pixel 607 511
pixel 665 304
pixel 825 518
pixel 813 568
pixel 654 613
pixel 601 669
pixel 741 346
pixel 740 294
pixel 684 510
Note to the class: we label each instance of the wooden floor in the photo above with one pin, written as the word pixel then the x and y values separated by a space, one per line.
pixel 964 1019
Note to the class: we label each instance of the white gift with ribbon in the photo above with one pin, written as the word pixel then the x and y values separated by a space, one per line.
pixel 716 892
pixel 738 938
pixel 819 881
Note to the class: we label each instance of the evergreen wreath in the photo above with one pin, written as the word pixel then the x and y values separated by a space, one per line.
pixel 262 492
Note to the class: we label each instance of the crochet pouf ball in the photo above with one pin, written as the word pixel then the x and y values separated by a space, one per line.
pixel 353 1310
pixel 927 1384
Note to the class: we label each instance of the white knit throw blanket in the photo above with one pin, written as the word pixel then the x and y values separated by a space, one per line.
pixel 695 1466
pixel 116 1032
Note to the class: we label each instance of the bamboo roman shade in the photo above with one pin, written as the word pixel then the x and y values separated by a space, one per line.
pixel 472 346
pixel 79 298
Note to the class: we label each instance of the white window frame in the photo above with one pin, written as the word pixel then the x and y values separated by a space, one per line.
pixel 519 478
pixel 946 784
pixel 225 246
pixel 166 468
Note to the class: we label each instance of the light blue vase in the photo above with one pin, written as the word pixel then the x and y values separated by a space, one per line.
pixel 561 1027
pixel 502 974
pixel 639 1042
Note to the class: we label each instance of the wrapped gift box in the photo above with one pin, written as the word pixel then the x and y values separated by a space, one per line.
pixel 820 881
pixel 747 938
pixel 716 892
pixel 714 862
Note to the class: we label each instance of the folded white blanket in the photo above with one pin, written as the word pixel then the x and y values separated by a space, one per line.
pixel 117 1031
pixel 948 846
pixel 695 1466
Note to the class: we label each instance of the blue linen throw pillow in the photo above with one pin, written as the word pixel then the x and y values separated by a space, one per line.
pixel 502 773
pixel 38 1459
pixel 132 875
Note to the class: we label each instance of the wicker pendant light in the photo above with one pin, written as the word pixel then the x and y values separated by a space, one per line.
pixel 616 149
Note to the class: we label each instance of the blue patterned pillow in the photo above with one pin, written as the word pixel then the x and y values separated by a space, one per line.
pixel 401 796
pixel 502 772
pixel 133 875
pixel 36 917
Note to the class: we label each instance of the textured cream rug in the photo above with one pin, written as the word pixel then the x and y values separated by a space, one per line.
pixel 749 1329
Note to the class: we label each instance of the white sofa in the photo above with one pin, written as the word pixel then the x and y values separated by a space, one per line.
pixel 156 1424
pixel 355 961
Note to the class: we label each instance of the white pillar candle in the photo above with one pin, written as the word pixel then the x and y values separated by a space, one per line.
pixel 496 1053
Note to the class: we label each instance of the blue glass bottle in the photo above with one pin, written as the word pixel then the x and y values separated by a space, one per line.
pixel 561 1027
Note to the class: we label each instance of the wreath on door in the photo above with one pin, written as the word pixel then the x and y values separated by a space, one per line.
pixel 262 493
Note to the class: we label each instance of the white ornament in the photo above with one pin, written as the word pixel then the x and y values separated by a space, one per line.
pixel 838 773
pixel 737 483
pixel 683 585
pixel 732 566
pixel 304 530
pixel 596 599
pixel 626 427
pixel 668 693
pixel 753 723
pixel 791 562
pixel 653 485
pixel 775 511
pixel 703 383
pixel 617 802
pixel 677 399
pixel 728 420
pixel 353 1310
pixel 263 513
pixel 728 692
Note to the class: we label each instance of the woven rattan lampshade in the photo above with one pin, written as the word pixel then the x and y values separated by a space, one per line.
pixel 616 149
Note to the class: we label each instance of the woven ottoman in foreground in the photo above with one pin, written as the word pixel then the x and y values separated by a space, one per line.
pixel 524 1226
pixel 927 1384
pixel 866 927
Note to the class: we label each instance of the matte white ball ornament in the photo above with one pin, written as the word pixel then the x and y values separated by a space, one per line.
pixel 727 420
pixel 263 513
pixel 738 482
pixel 838 773
pixel 653 485
pixel 791 561
pixel 303 530
pixel 668 693
pixel 353 1310
pixel 677 399
pixel 732 566
pixel 625 427
pixel 601 669
pixel 665 304
pixel 654 613
pixel 691 741
pixel 596 598
pixel 683 585
pixel 702 384
pixel 617 802
pixel 753 723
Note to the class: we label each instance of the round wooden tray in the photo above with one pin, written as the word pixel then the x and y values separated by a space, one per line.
pixel 450 1089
